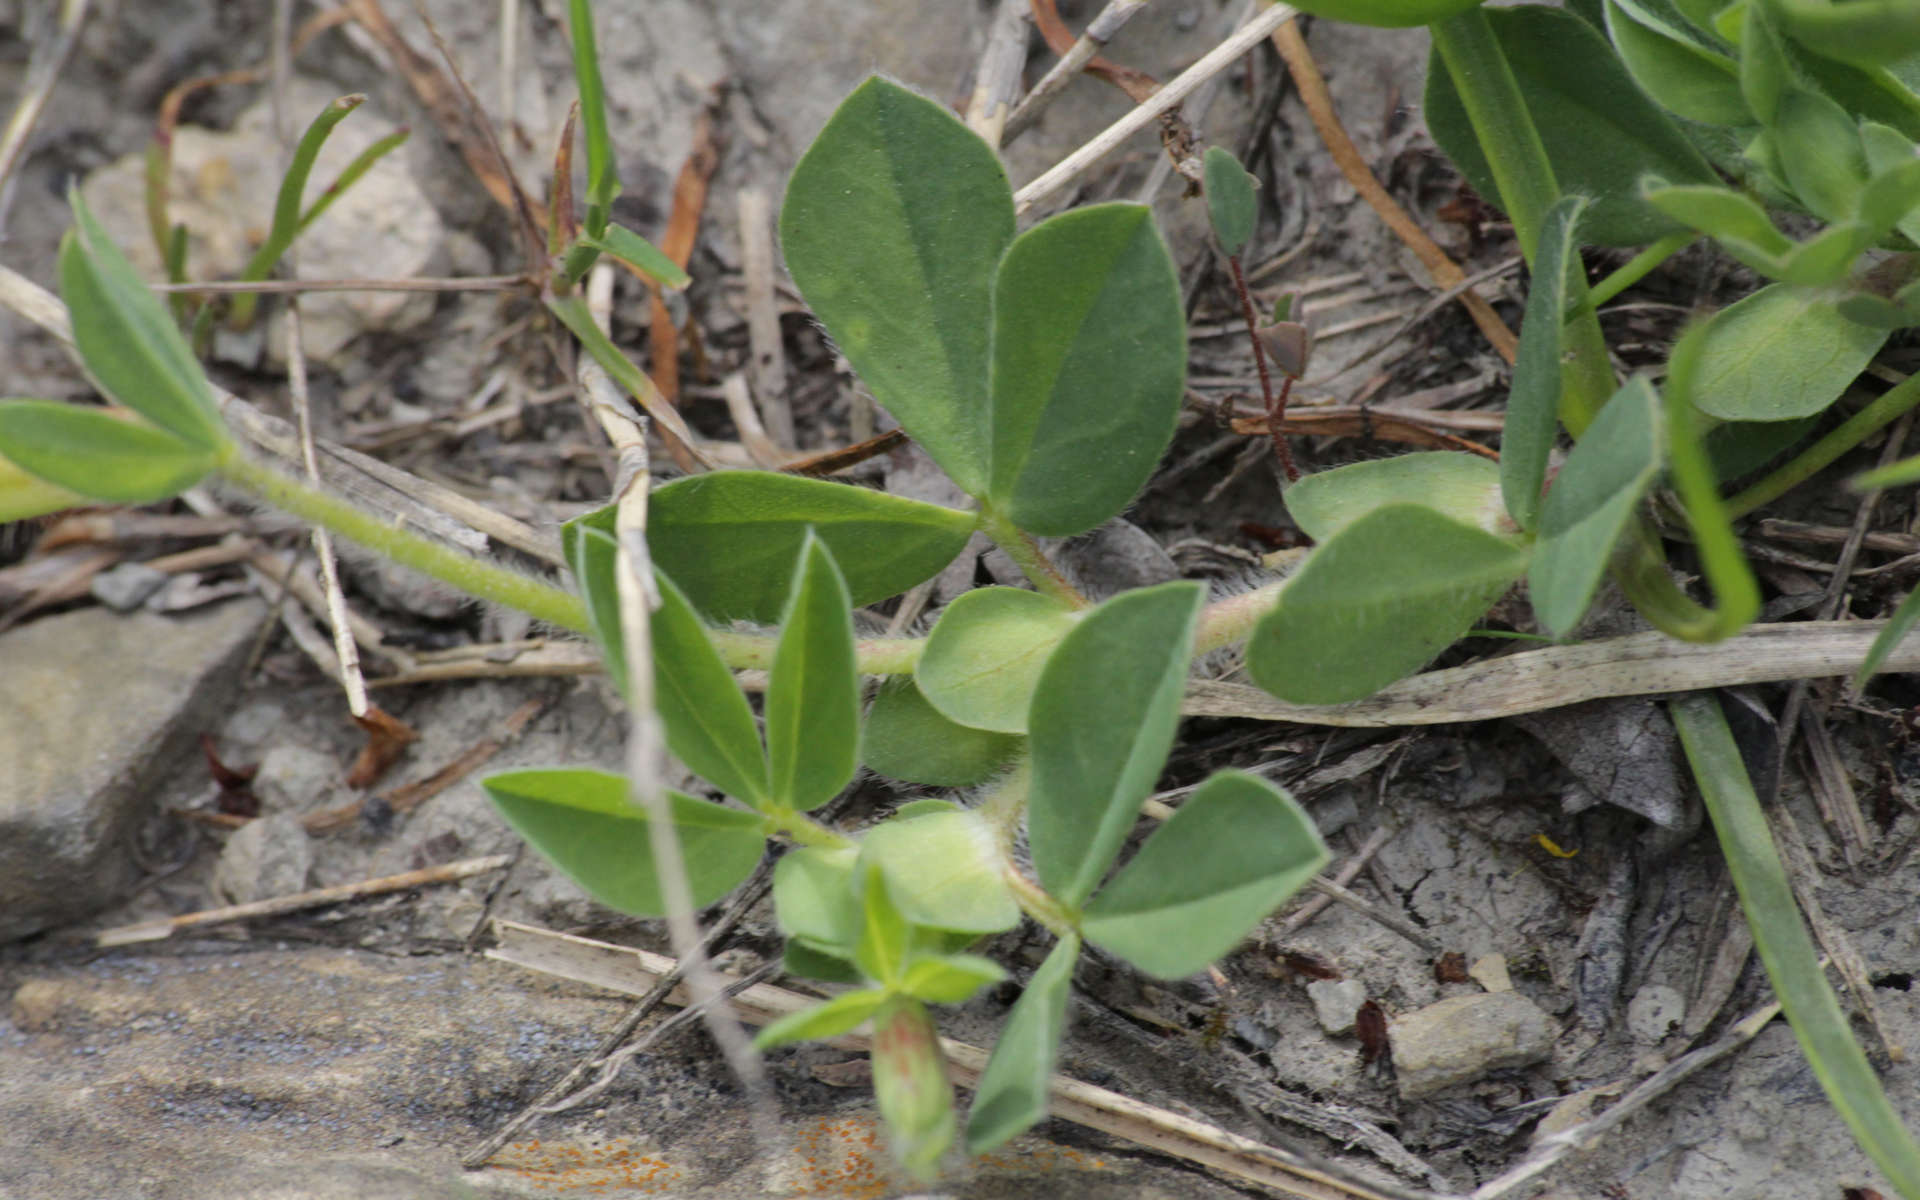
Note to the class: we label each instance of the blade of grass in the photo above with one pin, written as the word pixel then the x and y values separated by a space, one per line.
pixel 1786 950
pixel 361 164
pixel 286 207
pixel 602 183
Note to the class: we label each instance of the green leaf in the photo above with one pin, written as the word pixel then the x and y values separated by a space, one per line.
pixel 23 495
pixel 593 555
pixel 127 339
pixel 1781 353
pixel 1600 131
pixel 1683 76
pixel 1865 32
pixel 1011 1096
pixel 985 654
pixel 640 254
pixel 892 224
pixel 950 978
pixel 1376 602
pixel 585 824
pixel 1533 404
pixel 815 900
pixel 87 451
pixel 730 537
pixel 1593 499
pixel 709 724
pixel 842 1014
pixel 1465 487
pixel 1231 205
pixel 1765 74
pixel 1744 230
pixel 813 691
pixel 885 936
pixel 1226 858
pixel 1089 364
pixel 944 870
pixel 809 962
pixel 1788 953
pixel 908 739
pixel 1819 148
pixel 1102 721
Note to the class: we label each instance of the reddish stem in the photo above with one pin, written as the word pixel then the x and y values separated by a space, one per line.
pixel 1276 406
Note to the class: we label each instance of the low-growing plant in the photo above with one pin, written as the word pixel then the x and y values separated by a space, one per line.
pixel 1043 371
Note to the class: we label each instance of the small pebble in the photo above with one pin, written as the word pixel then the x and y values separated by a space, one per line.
pixel 1465 1037
pixel 1335 1001
pixel 1491 973
pixel 127 586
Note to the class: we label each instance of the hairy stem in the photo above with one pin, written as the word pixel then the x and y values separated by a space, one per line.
pixel 484 580
pixel 1033 562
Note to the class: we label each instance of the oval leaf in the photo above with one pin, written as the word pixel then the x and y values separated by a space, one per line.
pixel 1011 1096
pixel 709 724
pixel 729 538
pixel 950 978
pixel 892 224
pixel 985 654
pixel 1231 853
pixel 1089 362
pixel 908 739
pixel 1465 487
pixel 1593 499
pixel 1533 404
pixel 127 338
pixel 814 897
pixel 1231 205
pixel 813 691
pixel 24 495
pixel 1376 602
pixel 1102 721
pixel 1600 131
pixel 1781 353
pixel 944 870
pixel 1819 148
pixel 585 824
pixel 86 450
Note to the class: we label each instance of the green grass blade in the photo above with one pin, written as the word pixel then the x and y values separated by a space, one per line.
pixel 361 164
pixel 1786 949
pixel 1533 403
pixel 603 184
pixel 286 207
pixel 1898 626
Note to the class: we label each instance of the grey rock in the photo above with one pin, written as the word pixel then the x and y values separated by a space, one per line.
pixel 269 856
pixel 1465 1037
pixel 273 1074
pixel 1335 1001
pixel 1654 1012
pixel 294 778
pixel 127 586
pixel 93 707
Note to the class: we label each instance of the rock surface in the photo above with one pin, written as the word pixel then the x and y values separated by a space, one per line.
pixel 1465 1037
pixel 268 857
pixel 210 1072
pixel 1336 1002
pixel 93 707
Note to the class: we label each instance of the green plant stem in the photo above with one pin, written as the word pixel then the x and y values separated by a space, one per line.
pixel 1230 620
pixel 542 601
pixel 1885 409
pixel 1637 268
pixel 1033 562
pixel 806 831
pixel 745 651
pixel 1786 950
